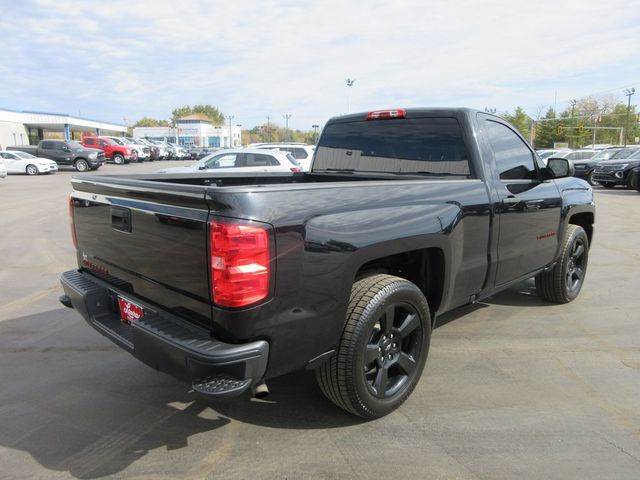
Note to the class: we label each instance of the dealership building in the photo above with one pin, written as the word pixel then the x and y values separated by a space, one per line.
pixel 28 128
pixel 196 130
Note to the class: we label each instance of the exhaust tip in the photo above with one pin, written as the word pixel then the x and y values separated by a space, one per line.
pixel 260 390
pixel 65 300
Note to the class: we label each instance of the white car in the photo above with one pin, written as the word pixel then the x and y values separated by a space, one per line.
pixel 3 169
pixel 141 155
pixel 22 162
pixel 241 160
pixel 301 152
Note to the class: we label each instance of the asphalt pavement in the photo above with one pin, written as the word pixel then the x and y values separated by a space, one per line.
pixel 514 387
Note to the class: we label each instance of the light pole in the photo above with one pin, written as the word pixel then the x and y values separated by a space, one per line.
pixel 573 106
pixel 268 129
pixel 628 92
pixel 315 133
pixel 350 82
pixel 230 117
pixel 286 117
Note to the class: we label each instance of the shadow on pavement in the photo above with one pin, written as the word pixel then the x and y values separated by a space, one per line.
pixel 521 295
pixel 78 404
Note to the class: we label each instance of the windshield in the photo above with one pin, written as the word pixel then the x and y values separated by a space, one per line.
pixel 604 155
pixel 623 153
pixel 25 155
pixel 119 141
pixel 546 154
pixel 421 146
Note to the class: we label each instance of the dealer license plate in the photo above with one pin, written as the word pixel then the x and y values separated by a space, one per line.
pixel 129 311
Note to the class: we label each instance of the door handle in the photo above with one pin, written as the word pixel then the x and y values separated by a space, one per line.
pixel 510 200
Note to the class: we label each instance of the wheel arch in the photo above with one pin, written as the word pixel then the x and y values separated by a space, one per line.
pixel 584 220
pixel 424 267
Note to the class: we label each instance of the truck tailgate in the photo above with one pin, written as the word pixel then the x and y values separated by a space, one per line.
pixel 150 244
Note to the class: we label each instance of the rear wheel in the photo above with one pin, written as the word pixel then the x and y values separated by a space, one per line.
pixel 32 170
pixel 81 165
pixel 563 282
pixel 382 350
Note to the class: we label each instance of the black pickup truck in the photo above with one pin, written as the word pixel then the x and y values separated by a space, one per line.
pixel 228 281
pixel 65 152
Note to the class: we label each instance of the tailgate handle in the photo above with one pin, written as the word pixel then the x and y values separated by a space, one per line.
pixel 121 219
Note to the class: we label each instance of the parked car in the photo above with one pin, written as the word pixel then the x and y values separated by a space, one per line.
pixel 3 169
pixel 617 170
pixel 301 152
pixel 226 280
pixel 113 151
pixel 241 161
pixel 154 150
pixel 141 152
pixel 635 178
pixel 584 168
pixel 23 162
pixel 163 152
pixel 547 153
pixel 65 152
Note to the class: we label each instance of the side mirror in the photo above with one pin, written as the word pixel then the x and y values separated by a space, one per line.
pixel 202 167
pixel 560 167
pixel 66 149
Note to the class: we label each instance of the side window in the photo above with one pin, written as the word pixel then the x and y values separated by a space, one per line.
pixel 259 160
pixel 48 145
pixel 5 155
pixel 89 141
pixel 221 161
pixel 102 143
pixel 299 153
pixel 513 158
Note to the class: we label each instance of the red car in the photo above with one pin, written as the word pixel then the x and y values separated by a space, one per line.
pixel 118 154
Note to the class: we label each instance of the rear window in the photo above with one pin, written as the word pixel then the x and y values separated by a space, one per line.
pixel 427 146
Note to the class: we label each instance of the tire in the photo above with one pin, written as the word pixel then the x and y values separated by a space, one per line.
pixel 590 179
pixel 118 159
pixel 563 282
pixel 31 170
pixel 607 184
pixel 81 165
pixel 372 372
pixel 135 158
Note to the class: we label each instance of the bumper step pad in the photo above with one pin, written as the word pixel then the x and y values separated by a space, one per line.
pixel 220 385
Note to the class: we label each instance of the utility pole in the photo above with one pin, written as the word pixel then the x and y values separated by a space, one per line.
pixel 286 117
pixel 315 133
pixel 268 129
pixel 573 106
pixel 230 117
pixel 350 82
pixel 628 92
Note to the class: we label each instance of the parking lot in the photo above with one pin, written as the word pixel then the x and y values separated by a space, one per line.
pixel 514 387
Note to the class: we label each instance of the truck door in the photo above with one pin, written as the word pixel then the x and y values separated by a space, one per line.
pixel 529 208
pixel 52 150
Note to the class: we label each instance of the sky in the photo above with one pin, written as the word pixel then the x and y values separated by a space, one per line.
pixel 117 59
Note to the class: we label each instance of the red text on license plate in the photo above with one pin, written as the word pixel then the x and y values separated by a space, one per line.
pixel 129 311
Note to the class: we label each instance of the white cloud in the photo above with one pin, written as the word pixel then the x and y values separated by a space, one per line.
pixel 274 57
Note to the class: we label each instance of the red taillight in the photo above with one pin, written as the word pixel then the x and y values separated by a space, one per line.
pixel 295 169
pixel 384 114
pixel 72 223
pixel 240 264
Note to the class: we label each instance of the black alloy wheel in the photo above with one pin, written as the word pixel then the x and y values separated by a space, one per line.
pixel 563 282
pixel 382 350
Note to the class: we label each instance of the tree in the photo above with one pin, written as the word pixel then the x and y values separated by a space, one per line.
pixel 151 122
pixel 212 113
pixel 520 120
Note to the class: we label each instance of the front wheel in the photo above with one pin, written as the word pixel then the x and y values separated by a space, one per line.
pixel 383 348
pixel 81 165
pixel 32 170
pixel 118 159
pixel 563 282
pixel 590 179
pixel 607 184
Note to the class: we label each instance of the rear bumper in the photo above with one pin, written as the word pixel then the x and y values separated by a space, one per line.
pixel 166 342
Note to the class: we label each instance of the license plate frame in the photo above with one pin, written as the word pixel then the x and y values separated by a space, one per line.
pixel 130 312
